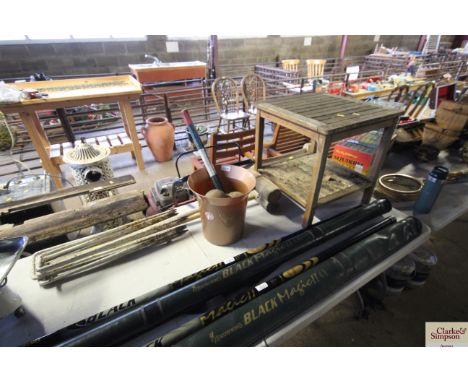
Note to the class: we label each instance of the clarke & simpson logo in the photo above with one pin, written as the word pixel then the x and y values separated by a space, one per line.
pixel 446 334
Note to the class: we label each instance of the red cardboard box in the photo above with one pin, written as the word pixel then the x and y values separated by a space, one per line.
pixel 352 158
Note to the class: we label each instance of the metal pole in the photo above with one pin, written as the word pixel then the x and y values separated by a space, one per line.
pixel 343 46
pixel 422 41
pixel 212 56
pixel 167 109
pixel 62 114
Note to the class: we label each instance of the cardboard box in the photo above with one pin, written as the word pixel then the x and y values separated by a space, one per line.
pixel 354 156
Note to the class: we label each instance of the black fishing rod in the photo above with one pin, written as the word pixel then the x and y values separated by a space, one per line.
pixel 251 322
pixel 87 323
pixel 139 319
pixel 231 304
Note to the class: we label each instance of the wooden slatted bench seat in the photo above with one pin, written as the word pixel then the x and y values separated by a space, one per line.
pixel 118 143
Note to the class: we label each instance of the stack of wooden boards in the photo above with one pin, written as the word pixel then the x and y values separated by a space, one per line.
pixel 75 219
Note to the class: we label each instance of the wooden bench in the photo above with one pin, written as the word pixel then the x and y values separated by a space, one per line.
pixel 285 141
pixel 228 148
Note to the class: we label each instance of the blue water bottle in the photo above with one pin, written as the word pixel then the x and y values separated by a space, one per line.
pixel 431 190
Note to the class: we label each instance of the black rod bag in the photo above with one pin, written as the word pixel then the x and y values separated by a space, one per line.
pixel 252 322
pixel 177 334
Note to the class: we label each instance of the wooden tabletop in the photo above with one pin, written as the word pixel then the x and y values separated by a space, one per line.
pixel 76 89
pixel 325 114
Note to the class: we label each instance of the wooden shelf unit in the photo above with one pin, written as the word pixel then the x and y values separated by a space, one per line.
pixel 292 175
pixel 117 143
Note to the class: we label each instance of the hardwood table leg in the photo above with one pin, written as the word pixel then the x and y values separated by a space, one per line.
pixel 259 131
pixel 129 123
pixel 318 169
pixel 380 155
pixel 128 135
pixel 41 144
pixel 40 131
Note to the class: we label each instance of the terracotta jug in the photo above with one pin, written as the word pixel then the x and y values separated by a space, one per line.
pixel 159 135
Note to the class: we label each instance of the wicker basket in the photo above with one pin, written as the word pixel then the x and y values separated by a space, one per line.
pixel 439 137
pixel 451 119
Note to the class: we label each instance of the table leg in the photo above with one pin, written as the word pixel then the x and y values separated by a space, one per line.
pixel 143 107
pixel 128 135
pixel 40 131
pixel 259 131
pixel 127 117
pixel 318 169
pixel 41 144
pixel 66 124
pixel 380 155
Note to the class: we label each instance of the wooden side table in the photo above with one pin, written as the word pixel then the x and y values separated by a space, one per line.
pixel 76 92
pixel 324 118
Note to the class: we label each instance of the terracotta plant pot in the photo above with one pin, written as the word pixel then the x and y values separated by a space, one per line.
pixel 159 135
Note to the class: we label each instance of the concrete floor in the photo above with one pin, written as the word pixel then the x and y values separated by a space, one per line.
pixel 399 322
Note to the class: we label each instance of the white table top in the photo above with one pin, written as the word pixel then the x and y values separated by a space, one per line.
pixel 49 309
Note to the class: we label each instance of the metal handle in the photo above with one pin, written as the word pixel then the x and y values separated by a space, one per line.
pixel 192 131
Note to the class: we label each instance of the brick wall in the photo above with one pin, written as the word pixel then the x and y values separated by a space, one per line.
pixel 107 57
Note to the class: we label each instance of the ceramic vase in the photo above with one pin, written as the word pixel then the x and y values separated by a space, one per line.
pixel 159 135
